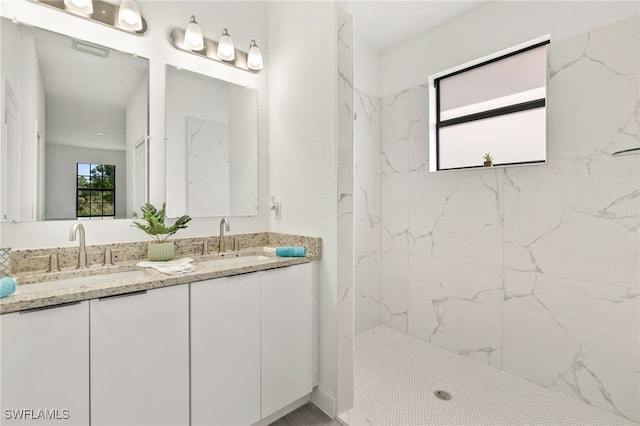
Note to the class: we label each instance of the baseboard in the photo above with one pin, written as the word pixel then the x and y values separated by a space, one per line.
pixel 282 412
pixel 322 398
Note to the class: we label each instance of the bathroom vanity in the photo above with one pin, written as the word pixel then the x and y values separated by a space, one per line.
pixel 228 343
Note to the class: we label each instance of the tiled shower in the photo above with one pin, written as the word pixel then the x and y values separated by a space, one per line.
pixel 532 269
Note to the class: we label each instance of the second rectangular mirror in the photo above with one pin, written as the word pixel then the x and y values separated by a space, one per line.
pixel 212 146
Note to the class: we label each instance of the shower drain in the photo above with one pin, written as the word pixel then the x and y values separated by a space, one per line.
pixel 443 395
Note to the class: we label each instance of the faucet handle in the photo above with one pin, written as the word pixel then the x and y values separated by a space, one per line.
pixel 53 263
pixel 205 246
pixel 236 244
pixel 108 255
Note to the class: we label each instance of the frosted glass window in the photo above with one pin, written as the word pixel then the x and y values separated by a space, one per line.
pixel 496 105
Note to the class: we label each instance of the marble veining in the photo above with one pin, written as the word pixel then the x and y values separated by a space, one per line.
pixel 208 168
pixel 367 210
pixel 533 269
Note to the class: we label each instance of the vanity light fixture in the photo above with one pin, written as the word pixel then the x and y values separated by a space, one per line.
pixel 226 51
pixel 125 17
pixel 254 57
pixel 222 51
pixel 129 16
pixel 193 38
pixel 84 7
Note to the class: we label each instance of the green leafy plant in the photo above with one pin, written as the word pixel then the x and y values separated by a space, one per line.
pixel 488 158
pixel 155 226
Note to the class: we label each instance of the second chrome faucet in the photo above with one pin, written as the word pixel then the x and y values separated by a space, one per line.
pixel 82 253
pixel 224 225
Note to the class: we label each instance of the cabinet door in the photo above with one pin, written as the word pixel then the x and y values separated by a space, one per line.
pixel 286 313
pixel 45 366
pixel 140 358
pixel 225 351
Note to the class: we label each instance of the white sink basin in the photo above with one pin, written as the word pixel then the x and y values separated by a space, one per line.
pixel 227 261
pixel 81 281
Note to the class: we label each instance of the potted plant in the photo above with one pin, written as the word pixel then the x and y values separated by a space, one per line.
pixel 160 249
pixel 488 160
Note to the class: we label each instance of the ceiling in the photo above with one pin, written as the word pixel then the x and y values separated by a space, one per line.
pixel 86 95
pixel 383 24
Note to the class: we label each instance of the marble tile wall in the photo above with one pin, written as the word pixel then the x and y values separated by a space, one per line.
pixel 207 168
pixel 344 39
pixel 366 209
pixel 571 312
pixel 530 269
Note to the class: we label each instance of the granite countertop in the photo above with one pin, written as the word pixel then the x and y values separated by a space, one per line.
pixel 72 285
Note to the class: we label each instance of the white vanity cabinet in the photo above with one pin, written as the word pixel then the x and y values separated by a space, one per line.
pixel 251 345
pixel 45 366
pixel 225 351
pixel 286 350
pixel 140 358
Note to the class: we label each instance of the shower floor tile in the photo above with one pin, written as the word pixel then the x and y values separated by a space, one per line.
pixel 396 375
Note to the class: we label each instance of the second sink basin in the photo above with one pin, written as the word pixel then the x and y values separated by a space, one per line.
pixel 227 261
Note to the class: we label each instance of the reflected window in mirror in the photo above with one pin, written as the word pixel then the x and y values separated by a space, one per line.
pixel 70 102
pixel 96 190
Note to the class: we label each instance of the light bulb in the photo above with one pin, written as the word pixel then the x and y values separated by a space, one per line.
pixel 193 35
pixel 129 16
pixel 84 7
pixel 254 57
pixel 226 51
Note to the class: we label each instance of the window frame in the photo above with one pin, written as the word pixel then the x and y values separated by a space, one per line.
pixel 435 123
pixel 101 189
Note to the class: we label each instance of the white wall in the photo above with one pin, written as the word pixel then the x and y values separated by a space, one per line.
pixel 490 28
pixel 136 131
pixel 303 146
pixel 245 21
pixel 22 74
pixel 243 175
pixel 32 121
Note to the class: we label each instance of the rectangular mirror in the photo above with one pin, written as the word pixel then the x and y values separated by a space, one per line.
pixel 69 103
pixel 212 146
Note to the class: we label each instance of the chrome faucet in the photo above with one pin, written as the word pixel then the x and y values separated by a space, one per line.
pixel 82 254
pixel 224 223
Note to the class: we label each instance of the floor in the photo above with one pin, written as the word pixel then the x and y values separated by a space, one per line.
pixel 396 375
pixel 307 415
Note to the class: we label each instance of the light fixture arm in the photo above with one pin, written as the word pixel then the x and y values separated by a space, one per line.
pixel 210 51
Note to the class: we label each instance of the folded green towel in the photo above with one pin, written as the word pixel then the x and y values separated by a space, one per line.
pixel 291 251
pixel 7 286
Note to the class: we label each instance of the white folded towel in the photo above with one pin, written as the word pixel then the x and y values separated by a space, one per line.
pixel 170 267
